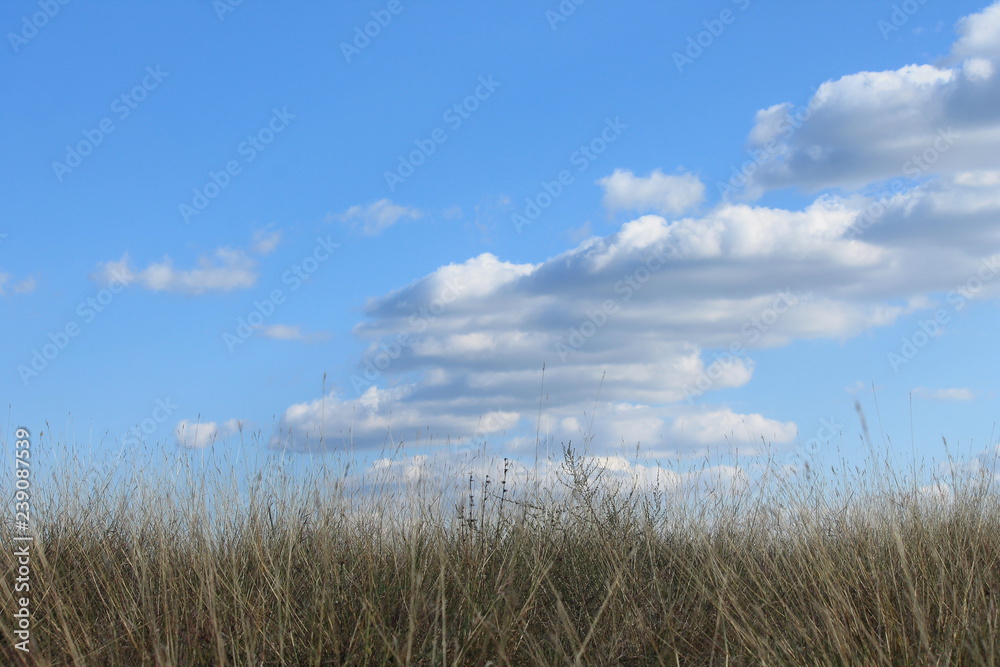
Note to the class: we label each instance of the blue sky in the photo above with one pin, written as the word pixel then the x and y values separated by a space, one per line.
pixel 741 215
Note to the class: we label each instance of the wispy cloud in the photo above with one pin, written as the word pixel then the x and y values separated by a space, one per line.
pixel 290 332
pixel 225 270
pixel 265 241
pixel 375 218
pixel 959 394
pixel 25 286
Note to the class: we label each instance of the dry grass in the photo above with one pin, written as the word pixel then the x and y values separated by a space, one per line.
pixel 128 572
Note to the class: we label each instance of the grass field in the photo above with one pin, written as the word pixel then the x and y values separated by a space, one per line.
pixel 786 570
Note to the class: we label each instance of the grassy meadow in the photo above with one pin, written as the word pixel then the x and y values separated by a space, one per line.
pixel 854 567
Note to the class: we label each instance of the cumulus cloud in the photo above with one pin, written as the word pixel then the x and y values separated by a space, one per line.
pixel 715 426
pixel 193 435
pixel 979 35
pixel 656 193
pixel 375 218
pixel 645 318
pixel 447 474
pixel 199 435
pixel 937 493
pixel 637 329
pixel 954 394
pixel 862 128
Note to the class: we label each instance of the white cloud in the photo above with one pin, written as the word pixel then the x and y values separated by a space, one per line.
pixel 199 435
pixel 644 308
pixel 114 272
pixel 863 128
pixel 25 286
pixel 374 218
pixel 656 193
pixel 448 473
pixel 289 332
pixel 265 241
pixel 625 325
pixel 717 426
pixel 979 34
pixel 232 426
pixel 937 493
pixel 282 332
pixel 195 435
pixel 977 69
pixel 856 388
pixel 978 178
pixel 956 394
pixel 226 270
